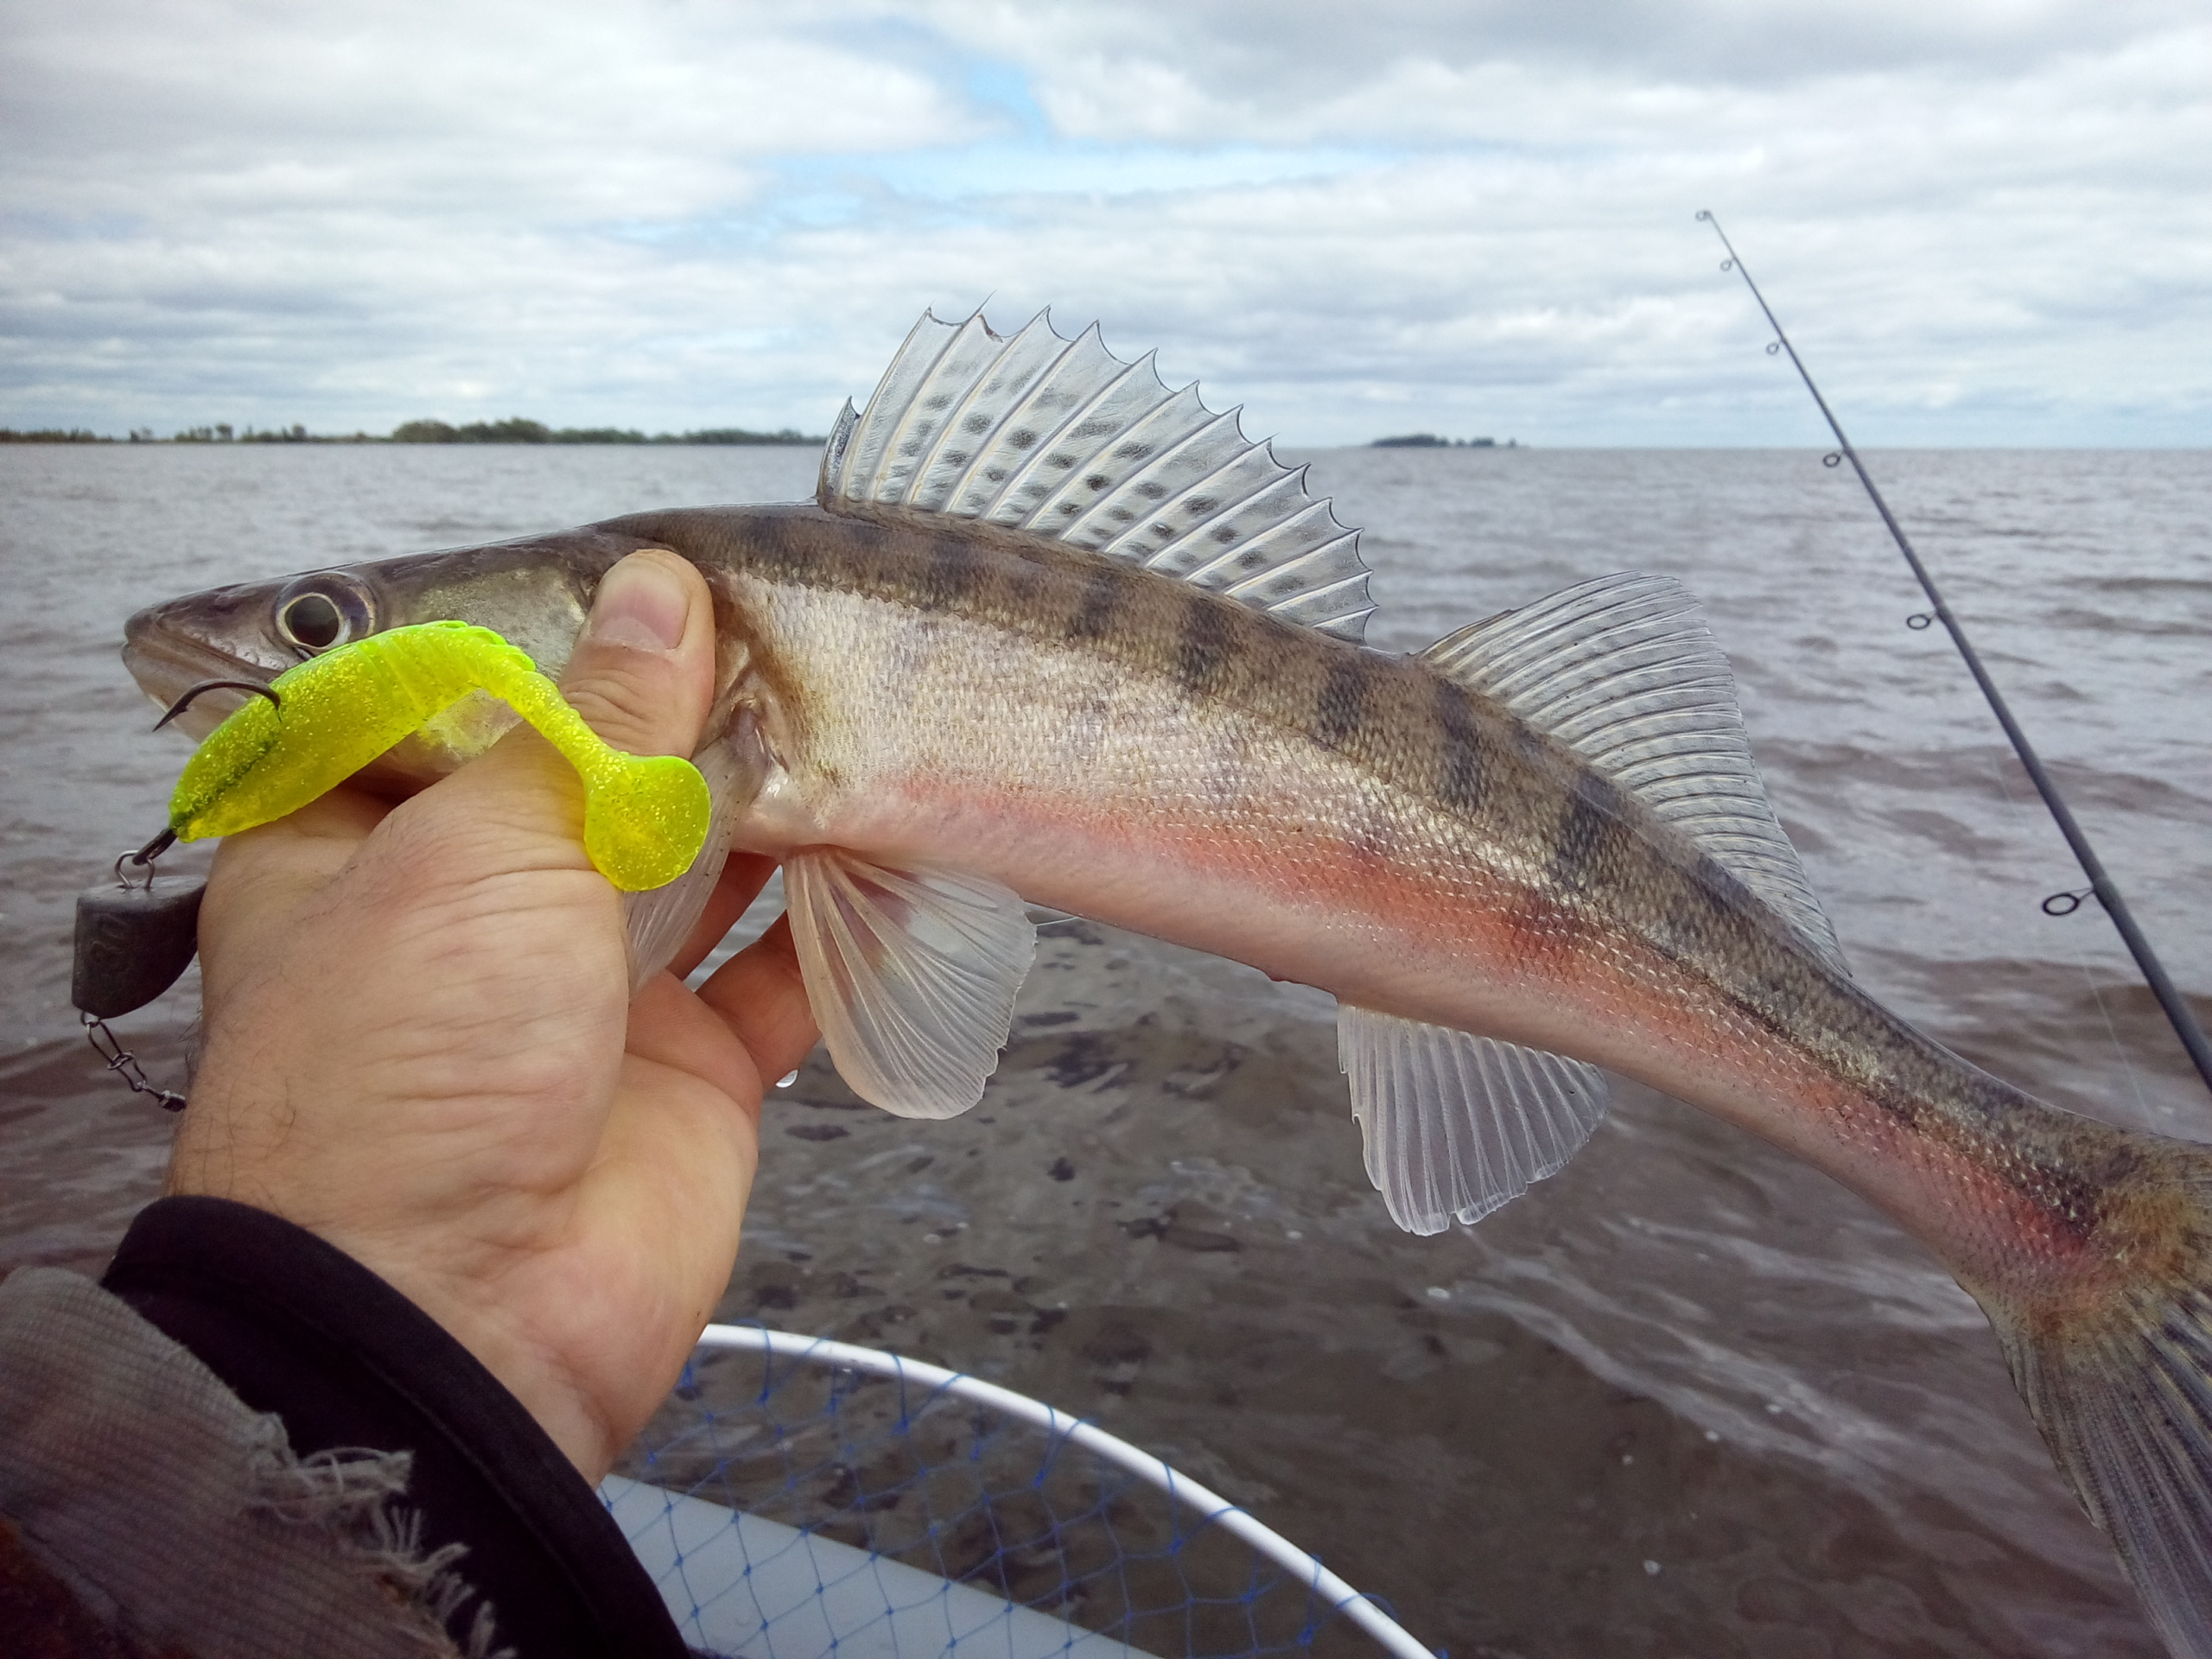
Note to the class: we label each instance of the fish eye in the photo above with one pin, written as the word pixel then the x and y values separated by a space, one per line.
pixel 318 612
pixel 312 621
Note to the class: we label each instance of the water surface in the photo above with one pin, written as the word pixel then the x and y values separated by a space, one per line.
pixel 1686 1398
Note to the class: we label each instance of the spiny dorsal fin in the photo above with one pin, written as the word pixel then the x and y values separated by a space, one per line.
pixel 1062 439
pixel 1455 1126
pixel 1625 672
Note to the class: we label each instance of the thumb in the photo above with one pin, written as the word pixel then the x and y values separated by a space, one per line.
pixel 643 674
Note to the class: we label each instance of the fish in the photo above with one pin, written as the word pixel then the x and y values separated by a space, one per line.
pixel 1052 633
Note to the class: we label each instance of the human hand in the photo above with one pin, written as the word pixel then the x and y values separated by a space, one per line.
pixel 420 1047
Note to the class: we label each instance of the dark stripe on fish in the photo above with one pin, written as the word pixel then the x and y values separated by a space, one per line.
pixel 1588 834
pixel 955 570
pixel 1202 659
pixel 1102 601
pixel 1340 709
pixel 1458 782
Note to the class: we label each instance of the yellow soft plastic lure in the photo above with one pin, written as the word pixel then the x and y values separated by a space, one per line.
pixel 646 816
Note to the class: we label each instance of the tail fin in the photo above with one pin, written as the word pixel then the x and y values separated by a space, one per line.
pixel 2123 1396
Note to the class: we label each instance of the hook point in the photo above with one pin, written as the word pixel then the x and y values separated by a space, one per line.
pixel 193 693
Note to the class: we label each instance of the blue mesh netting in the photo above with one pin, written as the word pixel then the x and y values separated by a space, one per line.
pixel 881 1516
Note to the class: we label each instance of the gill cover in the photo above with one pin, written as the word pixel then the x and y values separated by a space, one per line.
pixel 646 816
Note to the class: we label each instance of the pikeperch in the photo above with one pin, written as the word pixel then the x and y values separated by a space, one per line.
pixel 1052 632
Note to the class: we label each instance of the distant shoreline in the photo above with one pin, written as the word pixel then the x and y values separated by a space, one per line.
pixel 1430 440
pixel 517 429
pixel 514 429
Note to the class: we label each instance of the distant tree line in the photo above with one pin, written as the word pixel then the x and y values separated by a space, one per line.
pixel 512 431
pixel 515 429
pixel 1430 440
pixel 221 433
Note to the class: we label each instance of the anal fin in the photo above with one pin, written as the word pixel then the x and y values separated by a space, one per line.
pixel 912 975
pixel 1456 1126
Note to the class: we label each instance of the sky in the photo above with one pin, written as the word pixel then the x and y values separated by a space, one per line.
pixel 1985 222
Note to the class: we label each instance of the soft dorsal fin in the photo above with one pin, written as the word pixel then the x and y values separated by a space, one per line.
pixel 1062 439
pixel 1625 672
pixel 1454 1126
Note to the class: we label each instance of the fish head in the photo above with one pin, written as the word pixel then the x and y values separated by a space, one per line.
pixel 537 592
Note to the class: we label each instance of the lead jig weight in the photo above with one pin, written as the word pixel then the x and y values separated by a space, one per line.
pixel 134 940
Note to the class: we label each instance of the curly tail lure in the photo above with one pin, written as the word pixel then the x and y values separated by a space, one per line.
pixel 646 816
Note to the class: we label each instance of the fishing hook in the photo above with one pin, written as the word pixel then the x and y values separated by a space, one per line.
pixel 186 701
pixel 2177 1011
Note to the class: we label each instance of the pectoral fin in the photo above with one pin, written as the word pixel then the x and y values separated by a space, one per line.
pixel 659 919
pixel 911 974
pixel 1455 1126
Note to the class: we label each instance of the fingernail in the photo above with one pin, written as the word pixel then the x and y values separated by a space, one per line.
pixel 641 603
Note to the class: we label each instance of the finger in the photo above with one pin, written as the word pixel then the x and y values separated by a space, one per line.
pixel 742 878
pixel 263 877
pixel 304 848
pixel 670 1027
pixel 760 997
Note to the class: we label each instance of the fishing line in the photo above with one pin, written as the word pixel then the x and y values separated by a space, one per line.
pixel 2154 973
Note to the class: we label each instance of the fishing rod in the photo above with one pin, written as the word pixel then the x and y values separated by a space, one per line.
pixel 2154 972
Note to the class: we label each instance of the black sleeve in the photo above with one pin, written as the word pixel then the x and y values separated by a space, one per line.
pixel 296 1326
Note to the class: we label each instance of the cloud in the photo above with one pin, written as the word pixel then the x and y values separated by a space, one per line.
pixel 1986 222
pixel 1292 68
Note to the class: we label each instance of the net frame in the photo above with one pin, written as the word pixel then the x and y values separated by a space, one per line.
pixel 918 1386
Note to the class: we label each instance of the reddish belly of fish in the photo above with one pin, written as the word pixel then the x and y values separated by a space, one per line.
pixel 1256 869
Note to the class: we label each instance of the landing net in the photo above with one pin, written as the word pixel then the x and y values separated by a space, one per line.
pixel 797 1497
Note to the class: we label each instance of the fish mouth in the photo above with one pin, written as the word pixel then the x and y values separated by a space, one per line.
pixel 170 648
